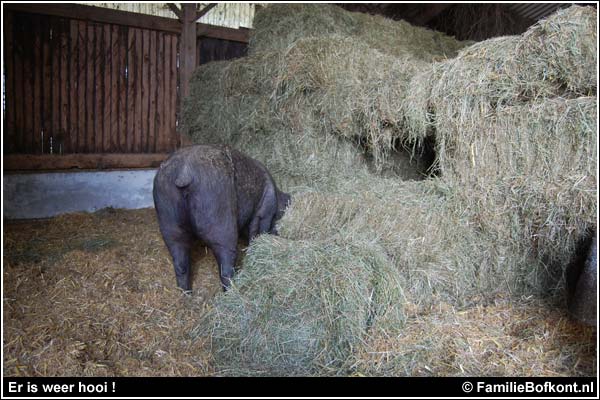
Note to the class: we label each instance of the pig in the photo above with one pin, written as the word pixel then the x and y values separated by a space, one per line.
pixel 215 194
pixel 582 283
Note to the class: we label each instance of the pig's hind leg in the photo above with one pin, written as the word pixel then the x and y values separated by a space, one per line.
pixel 265 214
pixel 214 219
pixel 176 233
pixel 259 225
pixel 180 252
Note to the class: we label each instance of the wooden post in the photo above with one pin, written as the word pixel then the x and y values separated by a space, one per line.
pixel 188 46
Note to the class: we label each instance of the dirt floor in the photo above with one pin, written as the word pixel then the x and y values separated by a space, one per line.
pixel 95 295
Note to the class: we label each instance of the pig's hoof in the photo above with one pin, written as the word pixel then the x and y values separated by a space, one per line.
pixel 187 292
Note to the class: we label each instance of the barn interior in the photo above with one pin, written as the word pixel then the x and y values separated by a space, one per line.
pixel 434 153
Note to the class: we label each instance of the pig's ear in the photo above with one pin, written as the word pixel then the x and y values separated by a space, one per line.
pixel 184 177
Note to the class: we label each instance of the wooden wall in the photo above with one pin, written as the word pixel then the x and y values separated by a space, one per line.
pixel 82 87
pixel 89 93
pixel 210 49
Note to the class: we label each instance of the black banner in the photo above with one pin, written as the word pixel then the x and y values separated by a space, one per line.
pixel 299 387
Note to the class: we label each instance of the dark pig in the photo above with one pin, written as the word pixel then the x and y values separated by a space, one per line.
pixel 214 194
pixel 582 283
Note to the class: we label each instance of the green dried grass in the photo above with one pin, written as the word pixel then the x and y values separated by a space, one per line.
pixel 516 151
pixel 556 57
pixel 277 28
pixel 270 324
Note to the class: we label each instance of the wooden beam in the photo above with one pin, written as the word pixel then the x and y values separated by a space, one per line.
pixel 176 10
pixel 37 162
pixel 98 14
pixel 187 50
pixel 201 13
pixel 430 12
pixel 218 32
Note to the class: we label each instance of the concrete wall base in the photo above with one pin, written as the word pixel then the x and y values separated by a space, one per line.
pixel 43 195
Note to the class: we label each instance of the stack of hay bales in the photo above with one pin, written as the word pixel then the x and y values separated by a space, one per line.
pixel 309 78
pixel 323 99
pixel 515 126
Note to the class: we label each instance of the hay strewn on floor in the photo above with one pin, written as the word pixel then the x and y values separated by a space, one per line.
pixel 505 338
pixel 108 306
pixel 95 295
pixel 324 99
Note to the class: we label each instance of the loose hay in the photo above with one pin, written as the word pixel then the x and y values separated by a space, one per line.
pixel 505 338
pixel 117 312
pixel 82 307
pixel 321 95
pixel 303 331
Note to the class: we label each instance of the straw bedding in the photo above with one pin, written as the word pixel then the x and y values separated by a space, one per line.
pixel 95 295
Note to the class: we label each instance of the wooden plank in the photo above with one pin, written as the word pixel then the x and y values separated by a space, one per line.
pixel 206 9
pixel 65 85
pixel 199 46
pixel 19 99
pixel 152 87
pixel 55 53
pixel 174 103
pixel 130 103
pixel 169 87
pixel 99 64
pixel 28 73
pixel 142 131
pixel 107 85
pixel 90 91
pixel 139 95
pixel 38 71
pixel 176 10
pixel 24 162
pixel 115 67
pixel 74 87
pixel 132 77
pixel 123 87
pixel 46 83
pixel 187 55
pixel 81 87
pixel 99 14
pixel 10 134
pixel 160 93
pixel 220 32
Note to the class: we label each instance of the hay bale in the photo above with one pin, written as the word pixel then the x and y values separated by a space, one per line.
pixel 562 49
pixel 513 133
pixel 278 27
pixel 333 77
pixel 412 221
pixel 528 176
pixel 554 58
pixel 302 307
pixel 315 60
pixel 226 100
